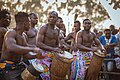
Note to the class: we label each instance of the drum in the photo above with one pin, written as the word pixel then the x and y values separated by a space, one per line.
pixel 60 65
pixel 95 65
pixel 32 71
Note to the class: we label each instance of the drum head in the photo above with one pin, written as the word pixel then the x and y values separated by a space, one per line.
pixel 37 66
pixel 66 55
pixel 100 54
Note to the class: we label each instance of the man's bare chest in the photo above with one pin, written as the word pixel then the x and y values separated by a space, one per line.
pixel 52 34
pixel 20 40
pixel 87 38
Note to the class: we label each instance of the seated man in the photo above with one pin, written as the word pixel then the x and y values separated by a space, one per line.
pixel 109 41
pixel 15 47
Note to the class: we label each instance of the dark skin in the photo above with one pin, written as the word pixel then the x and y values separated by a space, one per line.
pixel 108 35
pixel 47 38
pixel 84 42
pixel 72 36
pixel 15 46
pixel 4 23
pixel 32 33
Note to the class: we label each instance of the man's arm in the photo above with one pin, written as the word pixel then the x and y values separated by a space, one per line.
pixel 12 46
pixel 114 42
pixel 98 43
pixel 40 39
pixel 26 43
pixel 79 43
pixel 68 37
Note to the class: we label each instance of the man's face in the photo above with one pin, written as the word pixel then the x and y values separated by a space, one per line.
pixel 59 23
pixel 76 27
pixel 52 18
pixel 34 19
pixel 112 28
pixel 87 25
pixel 6 21
pixel 27 24
pixel 107 34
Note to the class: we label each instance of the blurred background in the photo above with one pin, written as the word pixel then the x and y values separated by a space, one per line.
pixel 102 13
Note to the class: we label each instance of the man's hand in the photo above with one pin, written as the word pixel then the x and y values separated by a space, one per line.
pixel 94 49
pixel 39 53
pixel 36 50
pixel 57 50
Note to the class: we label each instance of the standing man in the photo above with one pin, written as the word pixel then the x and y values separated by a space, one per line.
pixel 32 33
pixel 14 47
pixel 47 39
pixel 61 26
pixel 84 41
pixel 5 19
pixel 109 41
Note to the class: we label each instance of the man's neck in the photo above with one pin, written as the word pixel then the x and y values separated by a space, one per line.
pixel 52 26
pixel 19 29
pixel 107 37
pixel 1 25
pixel 32 25
pixel 87 31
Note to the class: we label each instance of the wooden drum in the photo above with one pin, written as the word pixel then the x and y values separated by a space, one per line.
pixel 95 65
pixel 33 71
pixel 60 65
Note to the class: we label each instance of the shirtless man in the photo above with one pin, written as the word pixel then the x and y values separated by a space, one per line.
pixel 61 26
pixel 84 40
pixel 47 39
pixel 71 36
pixel 32 33
pixel 5 19
pixel 14 47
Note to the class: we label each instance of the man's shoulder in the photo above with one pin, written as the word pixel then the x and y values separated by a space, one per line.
pixel 44 27
pixel 11 32
pixel 2 29
pixel 101 37
pixel 80 31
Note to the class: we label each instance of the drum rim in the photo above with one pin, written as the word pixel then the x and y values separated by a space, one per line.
pixel 100 55
pixel 63 58
pixel 34 64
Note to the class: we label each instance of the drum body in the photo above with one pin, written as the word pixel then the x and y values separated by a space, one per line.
pixel 95 66
pixel 60 66
pixel 32 71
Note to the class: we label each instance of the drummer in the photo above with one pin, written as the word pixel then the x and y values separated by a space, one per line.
pixel 84 40
pixel 47 39
pixel 71 36
pixel 5 19
pixel 14 47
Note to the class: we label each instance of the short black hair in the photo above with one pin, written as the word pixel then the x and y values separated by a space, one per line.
pixel 21 16
pixel 85 20
pixel 3 13
pixel 112 26
pixel 78 22
pixel 32 14
pixel 59 18
pixel 54 13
